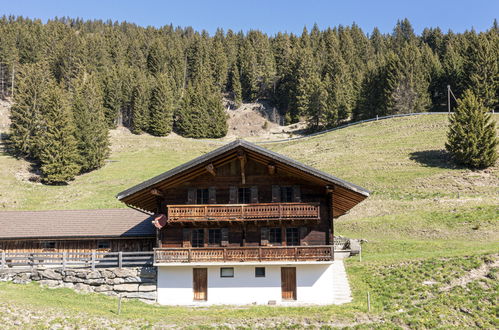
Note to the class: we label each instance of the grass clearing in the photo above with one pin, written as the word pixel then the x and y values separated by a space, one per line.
pixel 426 220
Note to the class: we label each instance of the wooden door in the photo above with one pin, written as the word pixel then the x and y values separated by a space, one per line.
pixel 288 283
pixel 200 283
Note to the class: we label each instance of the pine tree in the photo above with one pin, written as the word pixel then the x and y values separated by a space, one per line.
pixel 161 107
pixel 112 88
pixel 91 130
pixel 483 69
pixel 141 96
pixel 235 84
pixel 57 143
pixel 31 84
pixel 471 139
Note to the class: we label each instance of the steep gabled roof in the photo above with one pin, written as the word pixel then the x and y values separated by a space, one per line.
pixel 130 195
pixel 105 223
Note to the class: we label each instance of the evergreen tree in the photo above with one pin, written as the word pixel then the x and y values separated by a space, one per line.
pixel 235 84
pixel 91 130
pixel 471 139
pixel 202 114
pixel 483 68
pixel 112 97
pixel 58 153
pixel 161 107
pixel 25 116
pixel 141 96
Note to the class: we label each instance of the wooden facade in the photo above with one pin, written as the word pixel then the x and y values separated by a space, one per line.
pixel 77 245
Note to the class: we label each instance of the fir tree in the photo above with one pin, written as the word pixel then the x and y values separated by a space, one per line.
pixel 161 107
pixel 141 96
pixel 57 143
pixel 25 115
pixel 471 139
pixel 91 130
pixel 235 84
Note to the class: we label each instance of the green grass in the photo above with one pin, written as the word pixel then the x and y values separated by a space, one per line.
pixel 426 219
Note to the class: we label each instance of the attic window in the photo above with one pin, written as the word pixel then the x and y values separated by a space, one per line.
pixel 48 245
pixel 103 244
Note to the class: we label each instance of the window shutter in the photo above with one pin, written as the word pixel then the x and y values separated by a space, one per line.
pixel 186 237
pixel 254 194
pixel 191 196
pixel 296 194
pixel 264 236
pixel 212 195
pixel 225 237
pixel 303 234
pixel 232 194
pixel 276 194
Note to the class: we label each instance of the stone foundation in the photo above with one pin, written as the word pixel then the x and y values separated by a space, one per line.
pixel 139 283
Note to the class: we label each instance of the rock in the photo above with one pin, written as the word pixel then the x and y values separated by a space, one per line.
pixel 73 279
pixel 49 283
pixel 81 274
pixel 67 285
pixel 21 278
pixel 429 282
pixel 147 287
pixel 140 295
pixel 50 274
pixel 128 287
pixel 132 279
pixel 83 287
pixel 107 273
pixel 124 272
pixel 93 275
pixel 103 288
pixel 112 281
pixel 96 281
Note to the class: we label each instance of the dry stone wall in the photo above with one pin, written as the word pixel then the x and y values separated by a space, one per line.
pixel 139 282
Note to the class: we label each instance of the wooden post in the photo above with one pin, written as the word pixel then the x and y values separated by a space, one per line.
pixel 119 304
pixel 93 260
pixel 189 255
pixel 448 97
pixel 368 302
pixel 3 260
pixel 296 254
pixel 360 252
pixel 30 260
pixel 120 259
pixel 259 253
pixel 64 257
pixel 225 254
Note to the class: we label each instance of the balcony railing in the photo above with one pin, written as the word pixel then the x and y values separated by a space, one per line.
pixel 244 254
pixel 242 212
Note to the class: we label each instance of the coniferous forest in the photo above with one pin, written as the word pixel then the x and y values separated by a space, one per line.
pixel 76 79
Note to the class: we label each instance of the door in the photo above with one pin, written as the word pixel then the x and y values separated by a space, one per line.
pixel 200 283
pixel 288 283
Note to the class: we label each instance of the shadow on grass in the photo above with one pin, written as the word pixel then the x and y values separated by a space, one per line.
pixel 434 158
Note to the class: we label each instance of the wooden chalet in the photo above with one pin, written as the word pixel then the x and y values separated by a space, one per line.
pixel 243 206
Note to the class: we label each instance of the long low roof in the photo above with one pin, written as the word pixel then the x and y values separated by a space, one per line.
pixel 103 223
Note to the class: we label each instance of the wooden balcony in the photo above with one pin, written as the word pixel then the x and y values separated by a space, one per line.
pixel 244 254
pixel 243 212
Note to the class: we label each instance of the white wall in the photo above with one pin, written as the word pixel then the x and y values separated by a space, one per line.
pixel 314 285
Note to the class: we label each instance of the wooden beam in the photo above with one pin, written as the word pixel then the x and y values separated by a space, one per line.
pixel 242 159
pixel 156 192
pixel 211 169
pixel 329 189
pixel 271 168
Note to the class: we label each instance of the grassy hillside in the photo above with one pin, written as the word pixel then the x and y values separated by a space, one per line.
pixel 426 222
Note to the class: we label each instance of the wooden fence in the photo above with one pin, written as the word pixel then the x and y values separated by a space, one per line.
pixel 65 259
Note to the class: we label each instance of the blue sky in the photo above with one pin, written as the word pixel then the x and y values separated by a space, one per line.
pixel 269 16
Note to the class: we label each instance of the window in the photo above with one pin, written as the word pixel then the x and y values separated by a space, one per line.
pixel 103 244
pixel 202 196
pixel 275 235
pixel 227 272
pixel 215 236
pixel 197 238
pixel 286 194
pixel 48 245
pixel 260 272
pixel 292 236
pixel 244 196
